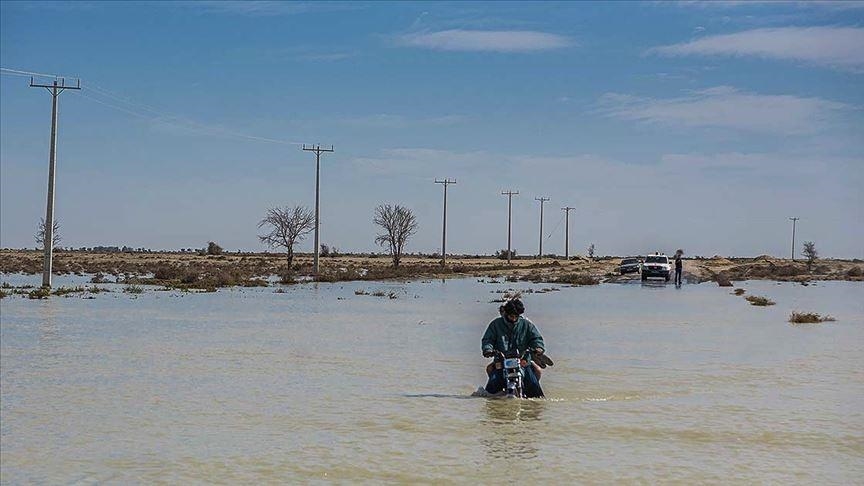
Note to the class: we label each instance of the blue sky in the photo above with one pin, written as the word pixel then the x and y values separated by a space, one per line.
pixel 666 125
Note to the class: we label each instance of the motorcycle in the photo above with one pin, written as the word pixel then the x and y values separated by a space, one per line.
pixel 512 365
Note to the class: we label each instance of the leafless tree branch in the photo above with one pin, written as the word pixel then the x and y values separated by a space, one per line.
pixel 287 226
pixel 399 224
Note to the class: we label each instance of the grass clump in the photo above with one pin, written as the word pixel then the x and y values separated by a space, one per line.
pixel 69 290
pixel 808 318
pixel 40 293
pixel 133 289
pixel 738 291
pixel 758 300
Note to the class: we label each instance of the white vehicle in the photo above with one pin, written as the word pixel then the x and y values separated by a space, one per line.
pixel 656 265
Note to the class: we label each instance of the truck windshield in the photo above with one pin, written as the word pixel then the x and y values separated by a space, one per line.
pixel 656 259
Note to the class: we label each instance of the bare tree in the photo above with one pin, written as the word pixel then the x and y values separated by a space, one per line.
pixel 591 251
pixel 810 253
pixel 40 234
pixel 399 224
pixel 287 227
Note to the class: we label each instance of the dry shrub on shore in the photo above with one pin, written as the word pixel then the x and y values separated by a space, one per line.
pixel 722 280
pixel 759 301
pixel 808 318
pixel 575 279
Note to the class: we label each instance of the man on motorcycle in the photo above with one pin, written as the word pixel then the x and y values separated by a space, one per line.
pixel 513 334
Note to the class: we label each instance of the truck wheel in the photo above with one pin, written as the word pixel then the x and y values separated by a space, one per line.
pixel 667 278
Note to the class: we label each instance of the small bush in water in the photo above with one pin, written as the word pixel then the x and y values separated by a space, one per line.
pixel 133 289
pixel 808 318
pixel 40 293
pixel 760 301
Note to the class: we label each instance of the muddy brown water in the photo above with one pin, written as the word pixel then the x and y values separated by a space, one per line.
pixel 651 384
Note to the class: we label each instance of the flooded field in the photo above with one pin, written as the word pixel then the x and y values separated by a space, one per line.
pixel 317 383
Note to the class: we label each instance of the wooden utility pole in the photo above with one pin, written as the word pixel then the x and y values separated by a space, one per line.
pixel 567 232
pixel 542 200
pixel 318 151
pixel 509 195
pixel 57 87
pixel 445 182
pixel 794 220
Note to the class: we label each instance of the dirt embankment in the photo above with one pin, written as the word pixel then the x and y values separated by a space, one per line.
pixel 195 271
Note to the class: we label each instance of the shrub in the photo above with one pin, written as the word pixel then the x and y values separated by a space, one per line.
pixel 739 291
pixel 808 318
pixel 854 272
pixel 213 249
pixel 757 300
pixel 502 254
pixel 40 293
pixel 133 289
pixel 575 279
pixel 68 290
pixel 286 277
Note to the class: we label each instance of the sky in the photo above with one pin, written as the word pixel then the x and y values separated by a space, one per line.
pixel 700 126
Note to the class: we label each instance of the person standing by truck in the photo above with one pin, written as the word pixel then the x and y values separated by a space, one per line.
pixel 678 266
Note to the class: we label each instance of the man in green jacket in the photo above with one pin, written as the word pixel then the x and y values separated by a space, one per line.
pixel 513 334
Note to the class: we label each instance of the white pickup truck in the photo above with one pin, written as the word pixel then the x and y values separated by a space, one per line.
pixel 656 265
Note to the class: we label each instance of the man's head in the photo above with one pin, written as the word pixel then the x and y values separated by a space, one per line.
pixel 513 309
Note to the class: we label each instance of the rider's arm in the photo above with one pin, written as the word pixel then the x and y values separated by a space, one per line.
pixel 535 340
pixel 488 339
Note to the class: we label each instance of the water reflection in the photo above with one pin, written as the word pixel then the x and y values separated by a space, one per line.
pixel 511 431
pixel 513 410
pixel 656 284
pixel 48 332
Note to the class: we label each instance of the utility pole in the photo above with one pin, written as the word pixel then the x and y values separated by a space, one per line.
pixel 794 220
pixel 542 200
pixel 57 87
pixel 445 182
pixel 318 151
pixel 509 195
pixel 567 232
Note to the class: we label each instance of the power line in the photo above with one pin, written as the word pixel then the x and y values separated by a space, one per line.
pixel 794 220
pixel 318 151
pixel 55 88
pixel 445 182
pixel 567 232
pixel 509 195
pixel 542 200
pixel 18 72
pixel 555 228
pixel 116 101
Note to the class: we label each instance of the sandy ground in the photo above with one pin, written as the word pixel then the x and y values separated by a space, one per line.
pixel 241 267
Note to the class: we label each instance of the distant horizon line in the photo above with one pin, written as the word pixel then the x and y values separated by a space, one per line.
pixel 373 254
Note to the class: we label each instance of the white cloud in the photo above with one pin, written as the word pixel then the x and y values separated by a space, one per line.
pixel 726 107
pixel 837 47
pixel 485 40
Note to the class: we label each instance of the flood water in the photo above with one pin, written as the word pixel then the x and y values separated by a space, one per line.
pixel 650 384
